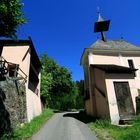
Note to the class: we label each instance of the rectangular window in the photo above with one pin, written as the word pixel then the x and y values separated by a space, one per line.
pixel 13 68
pixel 33 80
pixel 131 65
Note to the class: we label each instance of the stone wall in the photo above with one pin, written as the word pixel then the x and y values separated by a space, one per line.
pixel 12 104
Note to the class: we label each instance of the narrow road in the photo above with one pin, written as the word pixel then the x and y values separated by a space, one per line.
pixel 63 127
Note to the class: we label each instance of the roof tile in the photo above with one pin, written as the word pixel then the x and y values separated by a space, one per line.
pixel 114 45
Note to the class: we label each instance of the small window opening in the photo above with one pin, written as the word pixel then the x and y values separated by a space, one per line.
pixel 12 68
pixel 131 65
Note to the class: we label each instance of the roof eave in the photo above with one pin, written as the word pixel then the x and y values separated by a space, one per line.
pixel 21 42
pixel 114 51
pixel 83 56
pixel 114 68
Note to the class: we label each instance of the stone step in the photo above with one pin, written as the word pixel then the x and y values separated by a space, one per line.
pixel 126 121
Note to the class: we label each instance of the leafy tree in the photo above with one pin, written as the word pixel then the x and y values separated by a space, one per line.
pixel 80 86
pixel 57 88
pixel 80 96
pixel 46 80
pixel 46 84
pixel 68 101
pixel 11 17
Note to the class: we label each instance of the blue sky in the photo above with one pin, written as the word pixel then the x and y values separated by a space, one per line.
pixel 63 28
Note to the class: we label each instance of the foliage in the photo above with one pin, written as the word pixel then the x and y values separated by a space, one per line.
pixel 103 127
pixel 79 98
pixel 31 128
pixel 139 92
pixel 11 17
pixel 68 101
pixel 46 84
pixel 57 88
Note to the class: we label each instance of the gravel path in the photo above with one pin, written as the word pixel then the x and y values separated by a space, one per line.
pixel 60 127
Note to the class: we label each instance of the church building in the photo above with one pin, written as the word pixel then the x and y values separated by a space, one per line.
pixel 112 76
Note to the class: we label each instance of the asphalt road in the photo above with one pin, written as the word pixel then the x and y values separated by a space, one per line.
pixel 62 127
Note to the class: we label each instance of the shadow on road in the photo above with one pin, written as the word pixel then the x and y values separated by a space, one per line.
pixel 59 111
pixel 81 116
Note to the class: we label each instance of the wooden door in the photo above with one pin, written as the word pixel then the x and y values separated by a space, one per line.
pixel 124 99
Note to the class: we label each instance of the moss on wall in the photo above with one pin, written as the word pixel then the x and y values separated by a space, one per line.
pixel 12 105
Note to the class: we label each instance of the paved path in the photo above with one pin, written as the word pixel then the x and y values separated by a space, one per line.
pixel 62 127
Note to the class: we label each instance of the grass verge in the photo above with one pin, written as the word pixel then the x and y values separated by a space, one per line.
pixel 104 130
pixel 26 131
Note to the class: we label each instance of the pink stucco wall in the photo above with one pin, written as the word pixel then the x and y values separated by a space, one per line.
pixel 119 59
pixel 114 113
pixel 15 54
pixel 105 82
pixel 101 101
pixel 88 108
